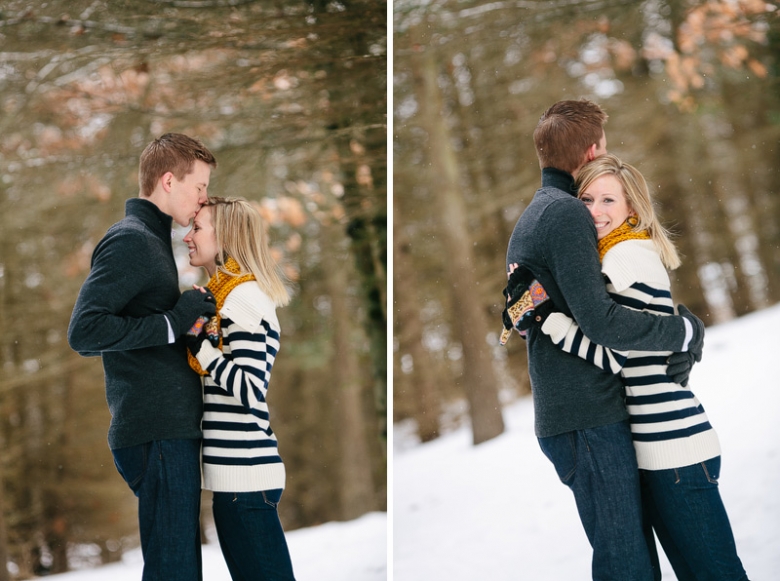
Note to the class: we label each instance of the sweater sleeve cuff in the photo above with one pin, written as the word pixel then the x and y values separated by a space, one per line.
pixel 556 326
pixel 688 334
pixel 207 354
pixel 171 336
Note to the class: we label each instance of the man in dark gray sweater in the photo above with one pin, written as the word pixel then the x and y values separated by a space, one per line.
pixel 580 416
pixel 131 312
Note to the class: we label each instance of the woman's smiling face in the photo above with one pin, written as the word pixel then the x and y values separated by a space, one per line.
pixel 607 204
pixel 201 241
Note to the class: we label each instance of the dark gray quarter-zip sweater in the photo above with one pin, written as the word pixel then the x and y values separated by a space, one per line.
pixel 556 239
pixel 152 392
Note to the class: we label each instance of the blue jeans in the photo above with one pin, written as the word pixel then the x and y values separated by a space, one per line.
pixel 684 507
pixel 251 536
pixel 599 466
pixel 165 476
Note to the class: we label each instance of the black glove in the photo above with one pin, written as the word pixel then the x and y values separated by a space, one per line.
pixel 679 365
pixel 204 328
pixel 527 303
pixel 191 305
pixel 196 335
pixel 517 284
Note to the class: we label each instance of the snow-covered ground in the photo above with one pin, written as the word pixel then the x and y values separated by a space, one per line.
pixel 498 512
pixel 336 551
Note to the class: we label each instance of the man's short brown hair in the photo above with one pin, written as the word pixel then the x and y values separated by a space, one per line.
pixel 172 152
pixel 566 131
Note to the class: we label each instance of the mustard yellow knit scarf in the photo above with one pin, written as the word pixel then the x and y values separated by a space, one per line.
pixel 619 234
pixel 221 285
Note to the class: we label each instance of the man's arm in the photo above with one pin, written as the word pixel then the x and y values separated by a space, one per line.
pixel 97 323
pixel 572 257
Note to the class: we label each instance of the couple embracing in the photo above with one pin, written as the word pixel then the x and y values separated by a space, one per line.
pixel 185 395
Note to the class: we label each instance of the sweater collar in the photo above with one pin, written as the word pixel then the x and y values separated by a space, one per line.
pixel 160 222
pixel 620 234
pixel 556 178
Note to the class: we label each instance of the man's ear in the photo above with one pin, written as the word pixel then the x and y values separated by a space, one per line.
pixel 591 153
pixel 167 181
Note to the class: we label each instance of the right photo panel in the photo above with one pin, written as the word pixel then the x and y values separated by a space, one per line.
pixel 586 290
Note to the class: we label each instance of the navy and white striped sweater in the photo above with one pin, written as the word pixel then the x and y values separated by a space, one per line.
pixel 669 426
pixel 239 447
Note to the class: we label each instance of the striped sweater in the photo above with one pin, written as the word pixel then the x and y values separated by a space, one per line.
pixel 669 426
pixel 239 448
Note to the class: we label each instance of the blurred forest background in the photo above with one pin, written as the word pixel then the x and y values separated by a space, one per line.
pixel 693 98
pixel 291 96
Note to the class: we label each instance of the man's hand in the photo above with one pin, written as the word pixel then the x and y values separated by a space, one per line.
pixel 191 305
pixel 679 367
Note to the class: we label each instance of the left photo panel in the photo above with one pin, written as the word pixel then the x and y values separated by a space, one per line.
pixel 193 284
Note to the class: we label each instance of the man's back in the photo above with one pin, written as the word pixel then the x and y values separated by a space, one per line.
pixel 553 238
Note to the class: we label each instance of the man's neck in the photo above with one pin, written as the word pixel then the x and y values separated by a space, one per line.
pixel 158 199
pixel 557 178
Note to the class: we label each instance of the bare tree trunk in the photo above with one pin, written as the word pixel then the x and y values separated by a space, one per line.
pixel 479 377
pixel 751 293
pixel 478 152
pixel 764 203
pixel 356 485
pixel 701 284
pixel 366 228
pixel 362 149
pixel 407 308
pixel 5 324
pixel 58 404
pixel 3 536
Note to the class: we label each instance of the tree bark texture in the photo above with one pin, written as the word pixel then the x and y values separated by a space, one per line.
pixel 479 379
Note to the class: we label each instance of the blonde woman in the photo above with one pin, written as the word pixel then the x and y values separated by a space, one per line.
pixel 677 449
pixel 235 354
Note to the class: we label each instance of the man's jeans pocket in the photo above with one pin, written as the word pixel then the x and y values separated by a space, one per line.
pixel 131 462
pixel 561 450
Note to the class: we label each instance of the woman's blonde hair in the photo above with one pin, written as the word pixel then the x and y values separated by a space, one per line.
pixel 638 198
pixel 241 234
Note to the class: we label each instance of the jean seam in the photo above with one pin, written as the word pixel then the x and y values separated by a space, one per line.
pixel 585 438
pixel 265 499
